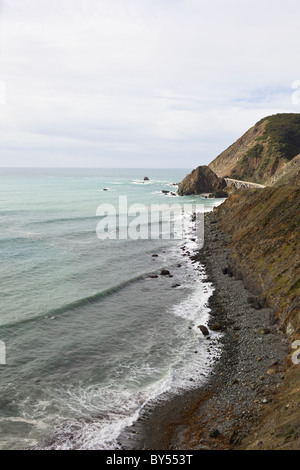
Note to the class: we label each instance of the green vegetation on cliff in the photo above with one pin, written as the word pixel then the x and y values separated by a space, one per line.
pixel 283 135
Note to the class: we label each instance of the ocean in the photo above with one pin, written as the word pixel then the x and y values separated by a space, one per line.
pixel 92 331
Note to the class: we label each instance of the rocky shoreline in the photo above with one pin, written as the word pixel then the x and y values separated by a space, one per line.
pixel 244 381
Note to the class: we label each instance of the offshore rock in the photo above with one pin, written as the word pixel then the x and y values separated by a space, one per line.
pixel 165 272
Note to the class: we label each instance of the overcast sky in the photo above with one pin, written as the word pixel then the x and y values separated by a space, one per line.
pixel 141 83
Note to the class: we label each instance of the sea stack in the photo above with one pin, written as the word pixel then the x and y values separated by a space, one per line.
pixel 202 180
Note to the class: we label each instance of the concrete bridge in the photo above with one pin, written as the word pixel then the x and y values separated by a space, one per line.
pixel 242 184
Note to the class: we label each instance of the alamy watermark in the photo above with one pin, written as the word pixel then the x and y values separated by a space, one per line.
pixel 159 221
pixel 296 94
pixel 296 354
pixel 2 353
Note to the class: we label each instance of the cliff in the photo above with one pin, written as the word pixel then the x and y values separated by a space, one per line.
pixel 251 255
pixel 289 174
pixel 263 227
pixel 263 151
pixel 262 248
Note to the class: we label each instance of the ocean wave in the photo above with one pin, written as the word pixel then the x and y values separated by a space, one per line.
pixel 18 236
pixel 63 220
pixel 79 303
pixel 92 299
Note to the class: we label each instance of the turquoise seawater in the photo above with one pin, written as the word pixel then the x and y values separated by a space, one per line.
pixel 90 337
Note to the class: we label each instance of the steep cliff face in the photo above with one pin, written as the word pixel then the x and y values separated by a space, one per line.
pixel 289 174
pixel 199 181
pixel 264 250
pixel 265 229
pixel 263 151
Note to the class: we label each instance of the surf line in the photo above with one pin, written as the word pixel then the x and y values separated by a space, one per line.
pixel 118 460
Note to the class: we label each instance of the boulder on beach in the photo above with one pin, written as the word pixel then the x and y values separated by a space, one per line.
pixel 216 327
pixel 146 178
pixel 204 330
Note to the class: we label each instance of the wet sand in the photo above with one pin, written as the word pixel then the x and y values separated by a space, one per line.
pixel 244 380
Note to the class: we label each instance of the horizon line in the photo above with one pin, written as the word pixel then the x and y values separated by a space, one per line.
pixel 87 168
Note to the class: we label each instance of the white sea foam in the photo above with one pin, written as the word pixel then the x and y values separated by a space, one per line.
pixel 102 413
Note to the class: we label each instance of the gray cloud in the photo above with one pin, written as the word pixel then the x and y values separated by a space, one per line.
pixel 140 83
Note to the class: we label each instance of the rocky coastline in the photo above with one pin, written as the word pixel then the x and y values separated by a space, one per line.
pixel 245 380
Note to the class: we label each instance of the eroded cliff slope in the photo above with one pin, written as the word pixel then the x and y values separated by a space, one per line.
pixel 263 151
pixel 264 250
